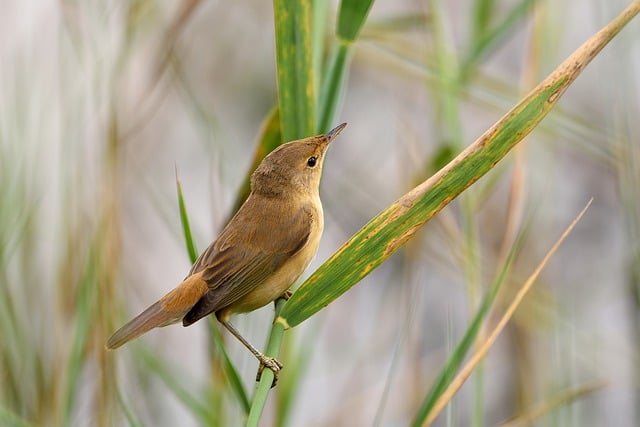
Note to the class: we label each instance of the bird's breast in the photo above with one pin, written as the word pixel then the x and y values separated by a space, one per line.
pixel 282 279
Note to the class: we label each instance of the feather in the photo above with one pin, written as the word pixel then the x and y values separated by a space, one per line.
pixel 170 309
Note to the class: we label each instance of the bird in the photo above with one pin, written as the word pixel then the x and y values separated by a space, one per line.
pixel 259 254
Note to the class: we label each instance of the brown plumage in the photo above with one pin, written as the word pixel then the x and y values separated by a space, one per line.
pixel 261 252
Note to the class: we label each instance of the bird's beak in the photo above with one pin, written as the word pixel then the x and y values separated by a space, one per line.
pixel 329 136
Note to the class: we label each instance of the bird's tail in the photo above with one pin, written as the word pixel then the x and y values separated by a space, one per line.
pixel 153 317
pixel 170 309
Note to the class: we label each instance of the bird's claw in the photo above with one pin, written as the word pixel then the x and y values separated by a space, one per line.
pixel 271 363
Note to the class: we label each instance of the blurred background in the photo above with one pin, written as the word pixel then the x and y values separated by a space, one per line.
pixel 103 103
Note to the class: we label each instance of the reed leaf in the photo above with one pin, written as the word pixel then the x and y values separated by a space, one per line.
pixel 454 362
pixel 557 401
pixel 426 417
pixel 11 419
pixel 351 18
pixel 232 374
pixel 388 231
pixel 296 81
pixel 229 368
pixel 201 410
pixel 184 219
pixel 485 39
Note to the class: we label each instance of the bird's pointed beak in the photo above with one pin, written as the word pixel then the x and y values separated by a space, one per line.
pixel 329 136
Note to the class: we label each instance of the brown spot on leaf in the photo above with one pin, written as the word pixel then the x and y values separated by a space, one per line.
pixel 396 243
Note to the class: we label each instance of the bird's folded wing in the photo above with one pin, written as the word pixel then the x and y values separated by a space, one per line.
pixel 236 263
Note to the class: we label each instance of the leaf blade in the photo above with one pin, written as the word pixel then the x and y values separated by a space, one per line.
pixel 294 56
pixel 184 220
pixel 388 231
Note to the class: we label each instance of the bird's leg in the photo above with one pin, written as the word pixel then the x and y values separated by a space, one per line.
pixel 287 294
pixel 265 361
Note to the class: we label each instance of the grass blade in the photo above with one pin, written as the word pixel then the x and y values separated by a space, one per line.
pixel 566 397
pixel 184 219
pixel 388 231
pixel 351 18
pixel 332 86
pixel 482 43
pixel 10 419
pixel 466 371
pixel 230 370
pixel 199 409
pixel 483 10
pixel 129 414
pixel 455 360
pixel 85 306
pixel 296 81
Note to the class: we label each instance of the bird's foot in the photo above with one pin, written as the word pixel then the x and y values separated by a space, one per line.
pixel 287 294
pixel 271 363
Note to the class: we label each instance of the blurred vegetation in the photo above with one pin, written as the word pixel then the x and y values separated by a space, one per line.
pixel 103 103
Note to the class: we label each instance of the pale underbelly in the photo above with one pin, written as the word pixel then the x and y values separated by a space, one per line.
pixel 272 288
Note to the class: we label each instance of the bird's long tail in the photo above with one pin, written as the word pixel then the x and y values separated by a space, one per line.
pixel 170 309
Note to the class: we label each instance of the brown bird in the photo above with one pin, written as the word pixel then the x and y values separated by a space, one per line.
pixel 261 252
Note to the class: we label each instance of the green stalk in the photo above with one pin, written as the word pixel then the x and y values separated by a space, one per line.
pixel 333 84
pixel 266 380
pixel 351 18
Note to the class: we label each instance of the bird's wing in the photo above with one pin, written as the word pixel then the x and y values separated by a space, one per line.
pixel 236 263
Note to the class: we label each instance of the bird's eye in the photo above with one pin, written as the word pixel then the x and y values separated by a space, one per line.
pixel 312 161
